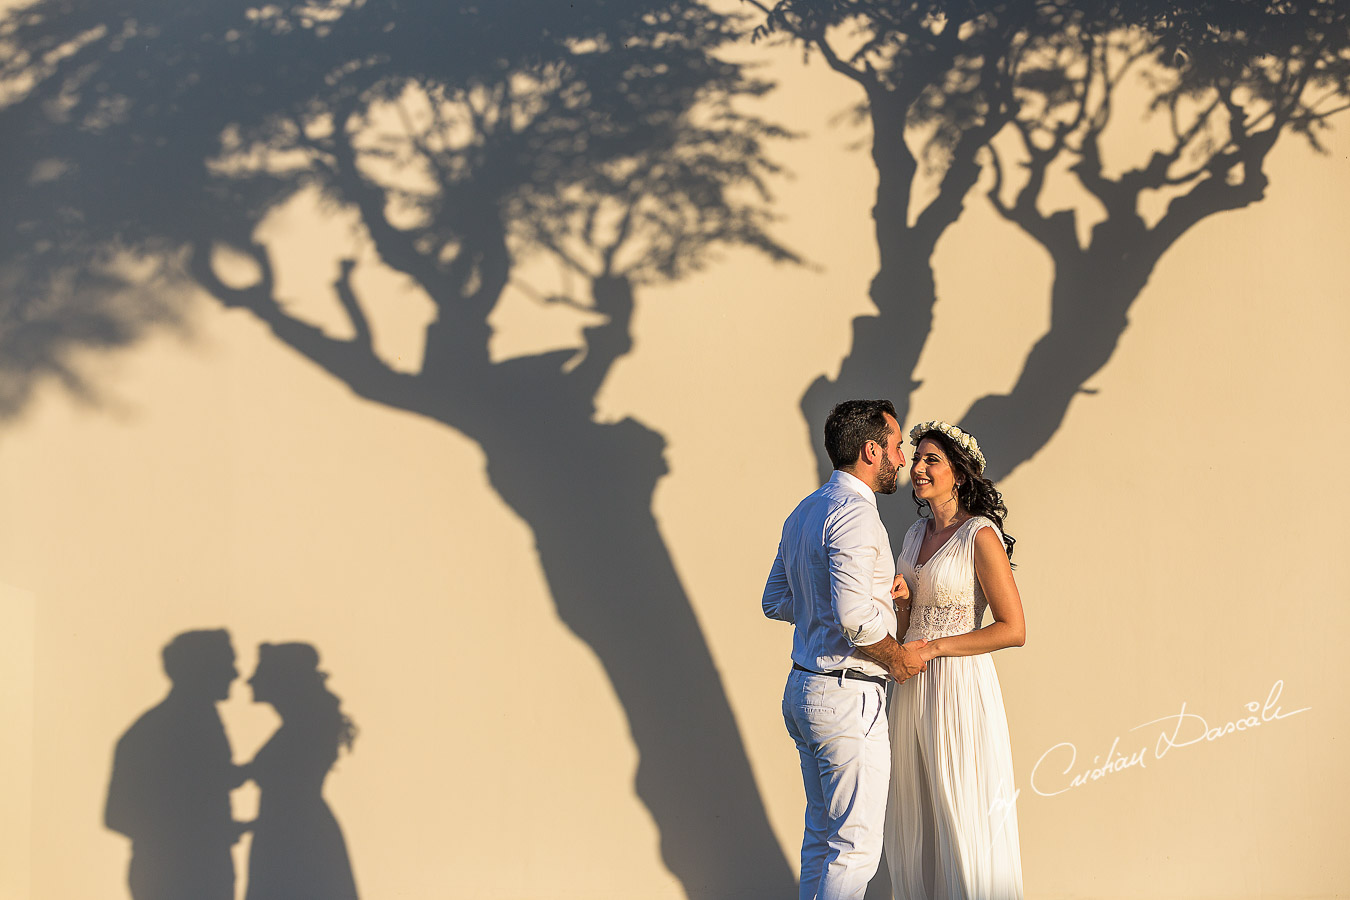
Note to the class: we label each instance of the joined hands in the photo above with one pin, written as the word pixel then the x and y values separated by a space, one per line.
pixel 909 661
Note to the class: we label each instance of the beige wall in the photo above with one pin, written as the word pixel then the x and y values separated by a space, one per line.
pixel 1178 546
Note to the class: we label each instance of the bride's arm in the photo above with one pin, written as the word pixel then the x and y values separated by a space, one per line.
pixel 1009 628
pixel 902 597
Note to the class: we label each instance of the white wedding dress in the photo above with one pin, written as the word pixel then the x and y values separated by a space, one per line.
pixel 951 823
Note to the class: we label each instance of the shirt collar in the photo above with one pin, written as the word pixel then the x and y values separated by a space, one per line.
pixel 854 483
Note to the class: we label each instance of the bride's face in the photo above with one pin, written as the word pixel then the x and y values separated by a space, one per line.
pixel 931 475
pixel 262 683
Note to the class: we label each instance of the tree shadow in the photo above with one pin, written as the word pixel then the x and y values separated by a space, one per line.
pixel 1027 91
pixel 469 138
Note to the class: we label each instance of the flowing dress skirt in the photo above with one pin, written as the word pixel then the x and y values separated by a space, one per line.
pixel 951 824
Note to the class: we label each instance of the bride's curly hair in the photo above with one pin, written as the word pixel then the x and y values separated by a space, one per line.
pixel 976 494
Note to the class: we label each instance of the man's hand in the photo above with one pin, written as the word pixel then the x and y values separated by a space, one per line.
pixel 902 661
pixel 910 661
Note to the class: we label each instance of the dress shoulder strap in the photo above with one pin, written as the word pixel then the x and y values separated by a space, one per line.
pixel 973 526
pixel 909 548
pixel 914 536
pixel 983 522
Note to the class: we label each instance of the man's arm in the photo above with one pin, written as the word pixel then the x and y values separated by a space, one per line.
pixel 777 592
pixel 854 541
pixel 903 661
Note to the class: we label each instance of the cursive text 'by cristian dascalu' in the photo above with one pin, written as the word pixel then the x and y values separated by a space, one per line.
pixel 1050 775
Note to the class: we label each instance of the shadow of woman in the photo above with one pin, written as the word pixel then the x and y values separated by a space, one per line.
pixel 298 851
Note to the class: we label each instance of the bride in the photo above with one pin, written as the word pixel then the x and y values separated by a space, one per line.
pixel 298 852
pixel 951 825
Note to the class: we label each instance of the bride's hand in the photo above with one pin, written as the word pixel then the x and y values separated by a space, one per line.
pixel 911 661
pixel 899 588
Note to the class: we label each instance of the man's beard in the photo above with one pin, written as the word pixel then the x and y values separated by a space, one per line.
pixel 888 479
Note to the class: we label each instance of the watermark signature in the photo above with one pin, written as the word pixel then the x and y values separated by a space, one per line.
pixel 1003 806
pixel 1182 729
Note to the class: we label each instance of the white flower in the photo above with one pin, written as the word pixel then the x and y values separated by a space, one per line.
pixel 967 442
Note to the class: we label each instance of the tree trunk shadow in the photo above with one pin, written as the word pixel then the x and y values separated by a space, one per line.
pixel 587 493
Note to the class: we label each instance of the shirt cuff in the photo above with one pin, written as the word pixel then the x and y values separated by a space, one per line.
pixel 868 633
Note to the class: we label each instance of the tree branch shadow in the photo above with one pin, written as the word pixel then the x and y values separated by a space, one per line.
pixel 469 138
pixel 1026 92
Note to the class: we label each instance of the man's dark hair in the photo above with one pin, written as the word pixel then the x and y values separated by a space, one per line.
pixel 851 425
pixel 191 653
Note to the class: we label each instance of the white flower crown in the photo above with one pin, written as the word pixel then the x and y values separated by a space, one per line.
pixel 965 441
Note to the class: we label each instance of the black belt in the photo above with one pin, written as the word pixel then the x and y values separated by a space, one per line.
pixel 847 673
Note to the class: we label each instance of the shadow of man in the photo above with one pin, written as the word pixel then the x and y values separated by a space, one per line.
pixel 172 776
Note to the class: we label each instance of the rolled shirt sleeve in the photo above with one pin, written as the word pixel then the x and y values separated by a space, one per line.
pixel 831 578
pixel 855 541
pixel 777 591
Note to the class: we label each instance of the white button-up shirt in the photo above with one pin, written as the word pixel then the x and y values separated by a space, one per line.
pixel 832 577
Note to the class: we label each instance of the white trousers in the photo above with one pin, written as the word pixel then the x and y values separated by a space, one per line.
pixel 839 725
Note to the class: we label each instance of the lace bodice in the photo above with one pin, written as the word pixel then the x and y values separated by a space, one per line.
pixel 945 595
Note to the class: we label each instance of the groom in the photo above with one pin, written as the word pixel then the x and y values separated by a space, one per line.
pixel 832 579
pixel 172 776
